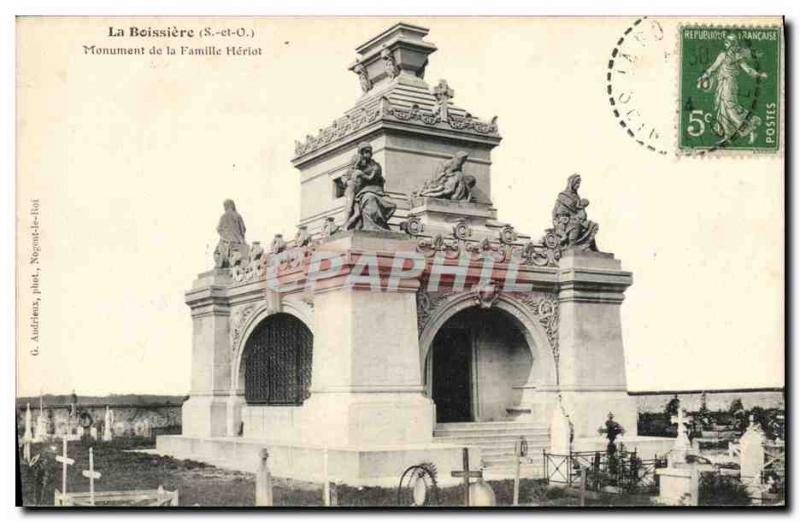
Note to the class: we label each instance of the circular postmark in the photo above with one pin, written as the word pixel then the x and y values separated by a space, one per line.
pixel 642 104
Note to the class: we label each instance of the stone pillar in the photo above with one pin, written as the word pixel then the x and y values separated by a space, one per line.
pixel 367 380
pixel 592 361
pixel 205 413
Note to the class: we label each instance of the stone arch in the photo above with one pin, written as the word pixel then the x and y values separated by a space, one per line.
pixel 544 369
pixel 299 311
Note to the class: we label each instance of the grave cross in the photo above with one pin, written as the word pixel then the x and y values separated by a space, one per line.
pixel 466 474
pixel 680 419
pixel 91 474
pixel 443 93
pixel 65 461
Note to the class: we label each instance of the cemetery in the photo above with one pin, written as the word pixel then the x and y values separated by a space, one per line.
pixel 99 469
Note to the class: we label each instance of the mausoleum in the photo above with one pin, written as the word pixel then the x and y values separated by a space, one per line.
pixel 403 320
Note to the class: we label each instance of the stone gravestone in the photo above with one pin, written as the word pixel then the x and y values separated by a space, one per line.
pixel 679 482
pixel 263 481
pixel 751 458
pixel 107 425
pixel 40 431
pixel 28 436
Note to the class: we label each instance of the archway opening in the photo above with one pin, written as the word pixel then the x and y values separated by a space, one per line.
pixel 277 362
pixel 478 362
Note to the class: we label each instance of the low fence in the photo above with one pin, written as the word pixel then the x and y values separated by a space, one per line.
pixel 623 470
pixel 137 498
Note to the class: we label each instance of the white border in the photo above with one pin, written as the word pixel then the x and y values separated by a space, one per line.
pixel 300 7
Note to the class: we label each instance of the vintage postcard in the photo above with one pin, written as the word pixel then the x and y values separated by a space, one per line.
pixel 400 261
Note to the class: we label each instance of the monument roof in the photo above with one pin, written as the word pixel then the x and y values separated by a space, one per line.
pixel 391 70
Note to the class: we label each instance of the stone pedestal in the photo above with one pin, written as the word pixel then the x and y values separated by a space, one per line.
pixel 592 360
pixel 205 413
pixel 366 383
pixel 679 485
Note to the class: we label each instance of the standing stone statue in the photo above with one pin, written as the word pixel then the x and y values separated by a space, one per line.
pixel 232 248
pixel 451 182
pixel 569 218
pixel 366 204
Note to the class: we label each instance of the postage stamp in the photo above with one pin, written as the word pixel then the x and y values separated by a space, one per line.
pixel 729 88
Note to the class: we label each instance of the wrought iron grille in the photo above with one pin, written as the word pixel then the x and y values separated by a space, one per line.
pixel 624 470
pixel 278 356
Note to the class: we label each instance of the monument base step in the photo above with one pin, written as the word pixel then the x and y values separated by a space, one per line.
pixel 361 466
pixel 496 442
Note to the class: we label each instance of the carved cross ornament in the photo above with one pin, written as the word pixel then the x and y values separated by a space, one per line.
pixel 443 93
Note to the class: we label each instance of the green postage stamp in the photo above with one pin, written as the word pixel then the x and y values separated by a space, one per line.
pixel 730 88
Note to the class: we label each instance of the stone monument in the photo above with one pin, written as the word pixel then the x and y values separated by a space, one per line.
pixel 404 320
pixel 752 458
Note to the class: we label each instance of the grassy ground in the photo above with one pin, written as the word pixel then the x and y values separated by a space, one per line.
pixel 199 484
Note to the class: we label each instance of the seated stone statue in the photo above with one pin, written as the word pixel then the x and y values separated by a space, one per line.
pixel 366 205
pixel 451 182
pixel 231 248
pixel 570 221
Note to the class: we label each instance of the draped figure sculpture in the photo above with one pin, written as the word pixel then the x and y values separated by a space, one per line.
pixel 231 248
pixel 570 221
pixel 451 182
pixel 366 205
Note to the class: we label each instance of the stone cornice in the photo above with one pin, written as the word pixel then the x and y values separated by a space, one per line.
pixel 593 285
pixel 384 115
pixel 210 296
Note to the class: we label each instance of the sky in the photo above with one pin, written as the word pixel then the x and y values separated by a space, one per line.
pixel 130 158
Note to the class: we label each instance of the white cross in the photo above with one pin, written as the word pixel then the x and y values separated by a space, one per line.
pixel 91 474
pixel 65 461
pixel 443 93
pixel 680 419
